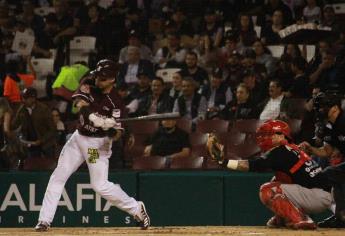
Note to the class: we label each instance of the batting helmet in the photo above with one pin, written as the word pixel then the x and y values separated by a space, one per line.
pixel 106 68
pixel 265 132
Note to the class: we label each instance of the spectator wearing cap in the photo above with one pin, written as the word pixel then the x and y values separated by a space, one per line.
pixel 241 107
pixel 176 90
pixel 269 35
pixel 141 90
pixel 249 63
pixel 299 87
pixel 191 105
pixel 157 102
pixel 134 40
pixel 328 76
pixel 172 55
pixel 36 125
pixel 246 30
pixel 129 70
pixel 191 69
pixel 264 57
pixel 211 27
pixel 257 87
pixel 217 93
pixel 16 79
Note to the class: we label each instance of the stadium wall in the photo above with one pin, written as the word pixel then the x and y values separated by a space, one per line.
pixel 171 197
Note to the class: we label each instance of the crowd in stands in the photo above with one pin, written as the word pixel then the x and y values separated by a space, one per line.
pixel 221 52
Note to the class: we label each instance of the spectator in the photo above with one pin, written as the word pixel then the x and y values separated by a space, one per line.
pixel 5 132
pixel 16 79
pixel 172 55
pixel 264 57
pixel 157 101
pixel 300 83
pixel 249 63
pixel 209 26
pixel 217 93
pixel 246 30
pixel 135 40
pixel 312 12
pixel 37 128
pixel 329 18
pixel 240 107
pixel 129 70
pixel 191 105
pixel 183 26
pixel 60 126
pixel 321 47
pixel 269 35
pixel 257 87
pixel 176 90
pixel 28 16
pixel 292 50
pixel 232 45
pixel 208 55
pixel 273 5
pixel 234 69
pixel 192 69
pixel 169 141
pixel 328 76
pixel 276 106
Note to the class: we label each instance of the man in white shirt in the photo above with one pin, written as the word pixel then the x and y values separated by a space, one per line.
pixel 272 109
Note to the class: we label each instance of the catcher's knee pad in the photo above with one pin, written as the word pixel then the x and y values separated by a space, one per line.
pixel 268 191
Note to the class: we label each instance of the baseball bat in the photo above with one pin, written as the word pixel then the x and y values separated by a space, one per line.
pixel 154 117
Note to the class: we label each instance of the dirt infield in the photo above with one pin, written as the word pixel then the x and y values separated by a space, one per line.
pixel 205 230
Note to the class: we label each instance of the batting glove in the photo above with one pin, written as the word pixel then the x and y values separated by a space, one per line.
pixel 96 120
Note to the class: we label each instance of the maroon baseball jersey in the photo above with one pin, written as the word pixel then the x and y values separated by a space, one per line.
pixel 105 105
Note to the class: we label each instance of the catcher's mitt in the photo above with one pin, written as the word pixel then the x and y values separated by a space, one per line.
pixel 215 148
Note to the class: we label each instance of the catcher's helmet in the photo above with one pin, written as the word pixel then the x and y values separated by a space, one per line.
pixel 265 132
pixel 106 68
pixel 323 102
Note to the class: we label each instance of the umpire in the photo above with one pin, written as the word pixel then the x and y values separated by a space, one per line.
pixel 328 110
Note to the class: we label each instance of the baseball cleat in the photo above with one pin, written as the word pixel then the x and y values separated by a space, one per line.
pixel 143 218
pixel 275 222
pixel 42 226
pixel 307 224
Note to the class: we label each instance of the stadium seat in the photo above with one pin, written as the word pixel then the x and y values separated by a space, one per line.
pixel 149 163
pixel 295 126
pixel 143 127
pixel 39 163
pixel 187 163
pixel 43 66
pixel 246 126
pixel 81 47
pixel 208 126
pixel 242 151
pixel 185 124
pixel 235 138
pixel 197 139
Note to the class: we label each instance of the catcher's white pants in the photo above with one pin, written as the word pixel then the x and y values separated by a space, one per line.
pixel 77 150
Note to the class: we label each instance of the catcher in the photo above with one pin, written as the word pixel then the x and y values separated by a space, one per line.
pixel 297 188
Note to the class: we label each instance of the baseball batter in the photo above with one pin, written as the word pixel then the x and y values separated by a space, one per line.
pixel 99 106
pixel 298 188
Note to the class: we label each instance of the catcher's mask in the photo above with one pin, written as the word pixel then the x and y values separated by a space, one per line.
pixel 265 132
pixel 323 103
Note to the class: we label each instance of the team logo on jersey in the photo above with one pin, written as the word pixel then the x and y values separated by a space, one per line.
pixel 93 155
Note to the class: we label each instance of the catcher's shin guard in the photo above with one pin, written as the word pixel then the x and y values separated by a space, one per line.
pixel 272 196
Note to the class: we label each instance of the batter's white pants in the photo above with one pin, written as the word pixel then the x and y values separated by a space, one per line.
pixel 73 154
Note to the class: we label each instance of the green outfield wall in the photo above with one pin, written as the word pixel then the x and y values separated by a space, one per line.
pixel 171 198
